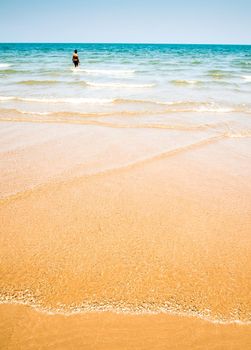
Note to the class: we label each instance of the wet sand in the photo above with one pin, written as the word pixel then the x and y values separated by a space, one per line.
pixel 24 328
pixel 137 234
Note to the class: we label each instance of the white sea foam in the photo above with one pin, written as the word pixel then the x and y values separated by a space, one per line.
pixel 77 100
pixel 213 109
pixel 247 77
pixel 4 65
pixel 34 113
pixel 185 82
pixel 119 85
pixel 171 106
pixel 7 98
pixel 114 72
pixel 240 134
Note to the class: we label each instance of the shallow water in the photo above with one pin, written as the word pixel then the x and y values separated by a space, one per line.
pixel 40 79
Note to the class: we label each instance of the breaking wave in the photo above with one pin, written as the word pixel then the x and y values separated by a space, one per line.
pixel 171 106
pixel 113 72
pixel 4 65
pixel 119 85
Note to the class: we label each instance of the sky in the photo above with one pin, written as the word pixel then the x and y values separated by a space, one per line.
pixel 126 21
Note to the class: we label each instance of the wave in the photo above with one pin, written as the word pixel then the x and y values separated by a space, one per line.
pixel 82 100
pixel 247 77
pixel 5 65
pixel 119 85
pixel 117 72
pixel 206 83
pixel 169 106
pixel 85 83
pixel 196 62
pixel 216 109
pixel 189 106
pixel 38 82
pixel 242 64
pixel 186 82
pixel 77 100
pixel 70 114
pixel 218 74
pixel 239 134
pixel 7 98
pixel 8 71
pixel 94 119
pixel 27 299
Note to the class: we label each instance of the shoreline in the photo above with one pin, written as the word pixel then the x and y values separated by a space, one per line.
pixel 113 331
pixel 78 310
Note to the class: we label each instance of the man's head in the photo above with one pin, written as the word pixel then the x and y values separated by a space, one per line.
pixel 76 51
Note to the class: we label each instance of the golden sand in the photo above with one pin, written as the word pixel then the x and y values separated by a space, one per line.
pixel 138 234
pixel 24 329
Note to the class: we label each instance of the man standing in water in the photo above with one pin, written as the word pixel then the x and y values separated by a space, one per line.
pixel 75 58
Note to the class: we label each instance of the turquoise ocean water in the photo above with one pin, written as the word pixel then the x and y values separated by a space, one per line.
pixel 38 81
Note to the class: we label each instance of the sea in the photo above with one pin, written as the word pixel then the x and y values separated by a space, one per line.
pixel 151 81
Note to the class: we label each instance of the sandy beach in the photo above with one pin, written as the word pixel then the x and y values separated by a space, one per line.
pixel 139 249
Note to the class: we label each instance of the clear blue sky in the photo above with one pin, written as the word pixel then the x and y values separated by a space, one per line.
pixel 156 21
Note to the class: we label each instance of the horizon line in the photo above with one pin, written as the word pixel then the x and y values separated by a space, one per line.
pixel 120 43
